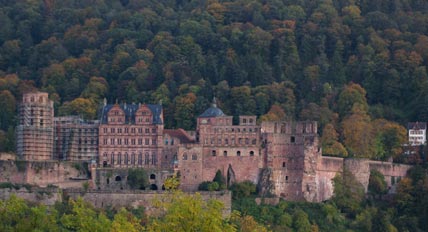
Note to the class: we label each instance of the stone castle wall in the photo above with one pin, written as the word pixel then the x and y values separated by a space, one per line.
pixel 43 173
pixel 134 199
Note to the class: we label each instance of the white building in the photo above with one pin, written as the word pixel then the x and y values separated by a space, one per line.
pixel 417 133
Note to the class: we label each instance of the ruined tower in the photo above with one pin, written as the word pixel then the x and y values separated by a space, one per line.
pixel 35 133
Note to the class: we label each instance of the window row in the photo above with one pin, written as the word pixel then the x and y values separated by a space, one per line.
pixel 234 129
pixel 132 159
pixel 120 141
pixel 126 130
pixel 238 153
pixel 194 156
pixel 232 141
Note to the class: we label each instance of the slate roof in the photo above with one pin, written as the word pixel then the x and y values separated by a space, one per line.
pixel 417 126
pixel 180 134
pixel 213 111
pixel 130 113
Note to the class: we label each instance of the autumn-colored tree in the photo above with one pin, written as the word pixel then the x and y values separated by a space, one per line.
pixel 358 133
pixel 275 113
pixel 351 94
pixel 86 108
pixel 330 143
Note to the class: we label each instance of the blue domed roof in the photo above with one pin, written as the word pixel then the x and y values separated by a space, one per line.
pixel 213 111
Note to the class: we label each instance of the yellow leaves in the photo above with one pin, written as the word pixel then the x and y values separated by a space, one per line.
pixel 276 113
pixel 9 81
pixel 217 10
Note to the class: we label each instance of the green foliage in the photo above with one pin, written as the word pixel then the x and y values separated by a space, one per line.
pixel 172 183
pixel 348 193
pixel 137 178
pixel 84 218
pixel 377 183
pixel 242 189
pixel 220 180
pixel 183 212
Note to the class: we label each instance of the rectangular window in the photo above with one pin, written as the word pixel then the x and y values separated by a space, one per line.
pixel 112 141
pixel 147 130
pixel 146 141
pixel 153 130
pixel 140 141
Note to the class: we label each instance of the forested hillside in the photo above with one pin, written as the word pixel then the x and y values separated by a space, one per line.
pixel 356 66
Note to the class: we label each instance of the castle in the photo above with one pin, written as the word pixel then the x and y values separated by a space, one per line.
pixel 283 158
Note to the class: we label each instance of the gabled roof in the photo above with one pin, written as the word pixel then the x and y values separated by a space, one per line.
pixel 180 134
pixel 130 112
pixel 417 126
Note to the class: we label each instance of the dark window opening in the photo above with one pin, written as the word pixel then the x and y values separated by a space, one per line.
pixel 286 178
pixel 292 139
pixel 213 153
pixel 153 187
pixel 225 153
pixel 108 181
pixel 118 178
pixel 283 164
pixel 238 153
pixel 251 153
pixel 152 177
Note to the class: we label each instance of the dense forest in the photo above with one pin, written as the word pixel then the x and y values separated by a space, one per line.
pixel 358 67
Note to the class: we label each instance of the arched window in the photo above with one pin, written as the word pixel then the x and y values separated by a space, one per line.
pixel 185 156
pixel 152 177
pixel 224 153
pixel 133 158
pixel 146 158
pixel 119 158
pixel 126 158
pixel 154 158
pixel 118 178
pixel 238 153
pixel 194 157
pixel 112 159
pixel 251 153
pixel 140 158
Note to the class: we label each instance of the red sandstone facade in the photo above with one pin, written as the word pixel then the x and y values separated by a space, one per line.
pixel 283 155
pixel 131 136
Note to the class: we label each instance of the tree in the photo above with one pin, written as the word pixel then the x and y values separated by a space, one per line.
pixel 330 143
pixel 8 106
pixel 348 193
pixel 183 212
pixel 351 94
pixel 87 108
pixel 137 178
pixel 358 133
pixel 377 183
pixel 84 218
pixel 125 221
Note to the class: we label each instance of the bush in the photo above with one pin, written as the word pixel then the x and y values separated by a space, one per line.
pixel 137 178
pixel 242 189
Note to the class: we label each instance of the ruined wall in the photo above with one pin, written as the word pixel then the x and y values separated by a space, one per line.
pixel 110 179
pixel 42 173
pixel 134 199
pixel 392 172
pixel 100 199
pixel 242 167
pixel 190 166
pixel 46 196
pixel 327 167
